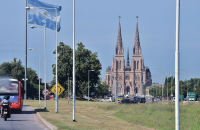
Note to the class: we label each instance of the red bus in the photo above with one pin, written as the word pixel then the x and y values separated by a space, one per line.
pixel 13 88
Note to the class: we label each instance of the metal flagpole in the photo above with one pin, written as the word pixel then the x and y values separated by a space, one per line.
pixel 74 61
pixel 25 84
pixel 45 105
pixel 39 72
pixel 177 67
pixel 56 66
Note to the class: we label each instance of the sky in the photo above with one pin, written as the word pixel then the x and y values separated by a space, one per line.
pixel 96 26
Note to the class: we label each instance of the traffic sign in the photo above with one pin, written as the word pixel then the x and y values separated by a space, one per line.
pixel 45 92
pixel 191 94
pixel 60 89
pixel 181 96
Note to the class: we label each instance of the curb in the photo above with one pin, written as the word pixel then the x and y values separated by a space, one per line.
pixel 49 125
pixel 52 127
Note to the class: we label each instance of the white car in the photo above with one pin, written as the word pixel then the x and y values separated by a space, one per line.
pixel 107 99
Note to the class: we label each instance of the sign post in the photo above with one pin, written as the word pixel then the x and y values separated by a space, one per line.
pixel 59 90
pixel 191 96
pixel 45 92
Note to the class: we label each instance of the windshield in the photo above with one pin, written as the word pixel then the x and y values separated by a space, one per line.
pixel 120 96
pixel 8 87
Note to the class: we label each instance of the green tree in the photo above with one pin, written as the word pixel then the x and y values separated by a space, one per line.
pixel 85 60
pixel 102 89
pixel 15 70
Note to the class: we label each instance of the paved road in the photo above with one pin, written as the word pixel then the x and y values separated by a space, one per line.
pixel 26 120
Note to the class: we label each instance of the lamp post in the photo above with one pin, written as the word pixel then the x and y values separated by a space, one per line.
pixel 154 82
pixel 116 91
pixel 167 88
pixel 38 68
pixel 187 80
pixel 162 79
pixel 88 82
pixel 45 104
pixel 68 87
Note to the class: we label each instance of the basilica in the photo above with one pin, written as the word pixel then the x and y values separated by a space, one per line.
pixel 131 78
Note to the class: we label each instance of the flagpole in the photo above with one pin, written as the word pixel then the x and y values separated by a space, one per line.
pixel 45 104
pixel 56 66
pixel 74 61
pixel 177 68
pixel 25 92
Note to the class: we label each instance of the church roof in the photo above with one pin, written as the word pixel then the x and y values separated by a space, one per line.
pixel 108 69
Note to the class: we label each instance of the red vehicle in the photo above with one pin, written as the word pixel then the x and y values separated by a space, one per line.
pixel 13 88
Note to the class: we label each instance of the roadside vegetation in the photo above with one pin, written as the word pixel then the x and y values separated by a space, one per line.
pixel 105 115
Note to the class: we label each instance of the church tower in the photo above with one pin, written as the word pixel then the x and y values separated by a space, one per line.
pixel 119 61
pixel 138 64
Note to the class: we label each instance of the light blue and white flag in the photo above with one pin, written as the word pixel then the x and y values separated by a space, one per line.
pixel 44 14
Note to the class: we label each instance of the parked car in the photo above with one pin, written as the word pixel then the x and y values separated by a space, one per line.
pixel 107 99
pixel 135 100
pixel 142 100
pixel 120 97
pixel 126 101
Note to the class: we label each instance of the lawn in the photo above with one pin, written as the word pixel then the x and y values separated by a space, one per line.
pixel 104 116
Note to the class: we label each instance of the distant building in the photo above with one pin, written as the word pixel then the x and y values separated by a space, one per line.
pixel 131 79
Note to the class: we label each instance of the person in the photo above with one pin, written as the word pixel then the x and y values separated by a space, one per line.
pixel 6 100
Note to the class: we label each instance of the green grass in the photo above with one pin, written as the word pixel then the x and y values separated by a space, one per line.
pixel 103 116
pixel 159 116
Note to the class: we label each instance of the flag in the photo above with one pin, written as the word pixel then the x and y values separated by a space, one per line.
pixel 40 14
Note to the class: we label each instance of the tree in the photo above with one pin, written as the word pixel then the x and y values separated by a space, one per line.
pixel 15 70
pixel 85 60
pixel 102 89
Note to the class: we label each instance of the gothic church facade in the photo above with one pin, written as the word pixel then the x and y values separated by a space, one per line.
pixel 129 79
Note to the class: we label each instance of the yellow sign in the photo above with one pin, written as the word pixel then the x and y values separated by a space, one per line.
pixel 60 89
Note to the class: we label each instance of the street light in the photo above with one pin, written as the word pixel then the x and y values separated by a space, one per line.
pixel 44 61
pixel 116 91
pixel 162 79
pixel 187 80
pixel 154 82
pixel 88 82
pixel 167 88
pixel 38 68
pixel 68 87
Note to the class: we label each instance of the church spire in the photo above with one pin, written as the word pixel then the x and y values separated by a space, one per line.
pixel 137 40
pixel 127 64
pixel 137 48
pixel 119 47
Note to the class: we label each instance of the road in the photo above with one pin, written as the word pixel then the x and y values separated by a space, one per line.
pixel 26 120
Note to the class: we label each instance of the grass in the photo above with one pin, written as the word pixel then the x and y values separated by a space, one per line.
pixel 104 116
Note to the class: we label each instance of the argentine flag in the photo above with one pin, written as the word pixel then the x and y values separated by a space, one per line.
pixel 44 14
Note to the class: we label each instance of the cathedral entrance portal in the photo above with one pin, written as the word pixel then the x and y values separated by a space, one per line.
pixel 136 90
pixel 127 90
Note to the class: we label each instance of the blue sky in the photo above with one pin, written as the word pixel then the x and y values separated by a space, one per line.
pixel 96 26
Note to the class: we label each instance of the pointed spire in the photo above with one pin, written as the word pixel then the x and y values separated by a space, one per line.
pixel 137 40
pixel 119 46
pixel 136 48
pixel 127 64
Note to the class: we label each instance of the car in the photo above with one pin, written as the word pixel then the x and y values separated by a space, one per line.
pixel 134 100
pixel 126 101
pixel 120 97
pixel 142 100
pixel 107 99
